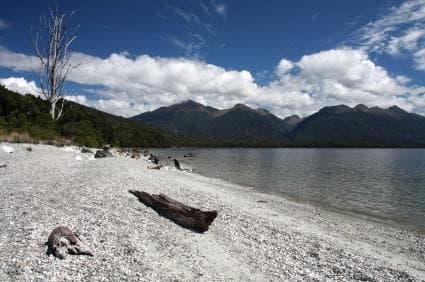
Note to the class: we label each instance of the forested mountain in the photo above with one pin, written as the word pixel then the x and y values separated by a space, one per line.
pixel 361 126
pixel 80 124
pixel 341 125
pixel 195 119
pixel 193 124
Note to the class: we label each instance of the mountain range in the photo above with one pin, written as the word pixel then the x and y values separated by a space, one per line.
pixel 239 122
pixel 335 126
pixel 193 124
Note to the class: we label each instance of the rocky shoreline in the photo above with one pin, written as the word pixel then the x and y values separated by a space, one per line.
pixel 256 237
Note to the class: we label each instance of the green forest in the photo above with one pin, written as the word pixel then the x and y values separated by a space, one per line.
pixel 81 125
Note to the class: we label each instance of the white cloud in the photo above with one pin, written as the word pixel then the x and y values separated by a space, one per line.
pixel 350 68
pixel 192 48
pixel 130 85
pixel 400 31
pixel 159 81
pixel 121 107
pixel 3 24
pixel 205 8
pixel 283 67
pixel 20 85
pixel 23 86
pixel 408 41
pixel 402 79
pixel 17 61
pixel 80 99
pixel 375 35
pixel 220 8
pixel 419 57
pixel 339 76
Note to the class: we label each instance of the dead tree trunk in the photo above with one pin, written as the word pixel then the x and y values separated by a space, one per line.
pixel 183 215
pixel 51 43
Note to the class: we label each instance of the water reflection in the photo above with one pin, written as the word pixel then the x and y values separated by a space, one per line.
pixel 382 182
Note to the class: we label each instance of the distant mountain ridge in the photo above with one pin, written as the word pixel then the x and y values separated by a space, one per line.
pixel 361 126
pixel 333 126
pixel 195 119
pixel 203 126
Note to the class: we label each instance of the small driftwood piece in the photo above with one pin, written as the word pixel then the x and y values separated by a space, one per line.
pixel 183 215
pixel 157 167
pixel 63 240
pixel 177 164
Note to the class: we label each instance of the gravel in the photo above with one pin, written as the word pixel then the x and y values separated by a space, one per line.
pixel 256 237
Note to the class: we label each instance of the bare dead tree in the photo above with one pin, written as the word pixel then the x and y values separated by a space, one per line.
pixel 52 40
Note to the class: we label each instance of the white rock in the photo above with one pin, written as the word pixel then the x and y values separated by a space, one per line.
pixel 7 149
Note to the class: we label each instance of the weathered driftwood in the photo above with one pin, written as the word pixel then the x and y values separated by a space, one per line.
pixel 63 240
pixel 177 164
pixel 157 167
pixel 183 215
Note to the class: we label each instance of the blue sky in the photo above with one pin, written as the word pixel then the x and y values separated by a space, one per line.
pixel 285 56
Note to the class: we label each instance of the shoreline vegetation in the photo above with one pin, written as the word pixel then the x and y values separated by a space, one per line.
pixel 255 237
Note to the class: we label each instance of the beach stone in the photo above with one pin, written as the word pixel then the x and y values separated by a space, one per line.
pixel 135 155
pixel 248 242
pixel 85 150
pixel 153 159
pixel 102 154
pixel 63 240
pixel 7 149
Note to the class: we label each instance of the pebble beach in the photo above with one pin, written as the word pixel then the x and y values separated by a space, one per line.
pixel 256 237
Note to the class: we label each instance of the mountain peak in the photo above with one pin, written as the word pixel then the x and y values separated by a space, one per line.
pixel 241 106
pixel 292 121
pixel 361 107
pixel 292 118
pixel 396 109
pixel 190 104
pixel 263 111
pixel 239 122
pixel 335 109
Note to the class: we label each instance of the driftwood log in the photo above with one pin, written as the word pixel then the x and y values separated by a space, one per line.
pixel 157 167
pixel 183 215
pixel 177 164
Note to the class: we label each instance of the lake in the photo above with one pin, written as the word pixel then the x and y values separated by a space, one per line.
pixel 386 183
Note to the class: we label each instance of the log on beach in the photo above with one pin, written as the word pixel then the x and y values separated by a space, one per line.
pixel 183 215
pixel 177 164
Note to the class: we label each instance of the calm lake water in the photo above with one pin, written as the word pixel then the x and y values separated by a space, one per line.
pixel 388 183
